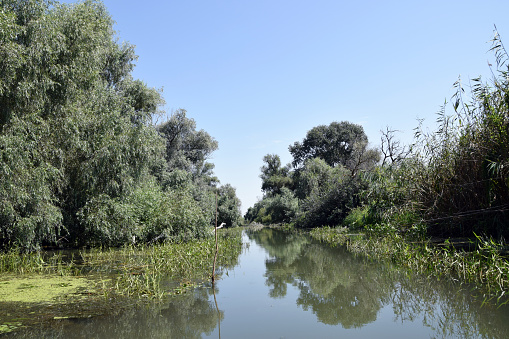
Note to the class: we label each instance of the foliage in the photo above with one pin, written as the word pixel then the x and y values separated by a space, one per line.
pixel 283 207
pixel 68 99
pixel 144 216
pixel 186 148
pixel 325 184
pixel 280 208
pixel 464 185
pixel 29 213
pixel 228 206
pixel 317 177
pixel 274 176
pixel 389 190
pixel 450 182
pixel 80 161
pixel 331 206
pixel 334 143
pixel 357 218
pixel 186 153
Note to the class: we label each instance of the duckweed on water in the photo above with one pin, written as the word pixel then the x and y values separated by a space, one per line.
pixel 40 289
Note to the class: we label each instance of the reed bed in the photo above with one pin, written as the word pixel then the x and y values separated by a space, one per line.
pixel 15 262
pixel 166 269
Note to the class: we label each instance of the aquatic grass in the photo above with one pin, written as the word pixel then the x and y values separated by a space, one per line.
pixel 36 263
pixel 487 267
pixel 333 236
pixel 165 269
pixel 20 263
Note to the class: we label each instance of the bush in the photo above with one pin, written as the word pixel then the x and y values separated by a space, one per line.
pixel 358 218
pixel 283 207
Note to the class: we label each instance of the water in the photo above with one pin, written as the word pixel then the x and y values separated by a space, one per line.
pixel 287 286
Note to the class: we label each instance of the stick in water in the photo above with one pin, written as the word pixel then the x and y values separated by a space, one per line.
pixel 217 250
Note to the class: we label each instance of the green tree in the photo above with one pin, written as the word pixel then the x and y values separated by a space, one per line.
pixel 327 193
pixel 283 207
pixel 186 148
pixel 335 144
pixel 76 136
pixel 274 176
pixel 228 206
pixel 317 177
pixel 325 184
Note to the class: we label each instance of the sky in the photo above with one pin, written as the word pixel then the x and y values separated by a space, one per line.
pixel 257 75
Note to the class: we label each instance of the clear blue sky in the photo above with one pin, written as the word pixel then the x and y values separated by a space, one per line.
pixel 257 75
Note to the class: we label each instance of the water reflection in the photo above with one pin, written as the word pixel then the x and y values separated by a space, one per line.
pixel 220 313
pixel 348 296
pixel 341 289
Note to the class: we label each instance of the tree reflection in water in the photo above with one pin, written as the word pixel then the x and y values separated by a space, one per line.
pixel 341 289
pixel 186 316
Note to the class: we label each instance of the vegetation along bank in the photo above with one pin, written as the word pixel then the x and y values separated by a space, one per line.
pixel 84 168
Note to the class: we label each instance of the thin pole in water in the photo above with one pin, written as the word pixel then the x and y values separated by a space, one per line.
pixel 217 248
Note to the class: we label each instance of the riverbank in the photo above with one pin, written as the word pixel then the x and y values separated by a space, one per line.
pixel 485 265
pixel 45 286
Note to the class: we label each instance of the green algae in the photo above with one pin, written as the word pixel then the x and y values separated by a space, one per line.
pixel 33 300
pixel 42 288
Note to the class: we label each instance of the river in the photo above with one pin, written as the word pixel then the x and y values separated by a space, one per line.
pixel 289 286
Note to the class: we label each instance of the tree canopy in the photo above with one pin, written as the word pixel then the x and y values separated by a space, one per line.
pixel 334 143
pixel 186 148
pixel 274 176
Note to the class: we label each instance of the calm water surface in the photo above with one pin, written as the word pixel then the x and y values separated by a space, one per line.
pixel 287 286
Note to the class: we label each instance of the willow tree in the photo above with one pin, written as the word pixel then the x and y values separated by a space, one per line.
pixel 75 127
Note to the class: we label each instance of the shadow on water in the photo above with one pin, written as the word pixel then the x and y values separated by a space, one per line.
pixel 342 289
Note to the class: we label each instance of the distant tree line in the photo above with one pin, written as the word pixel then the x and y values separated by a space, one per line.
pixel 81 162
pixel 450 182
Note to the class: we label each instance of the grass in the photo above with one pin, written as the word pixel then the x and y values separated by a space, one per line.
pixel 487 267
pixel 36 262
pixel 153 271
